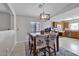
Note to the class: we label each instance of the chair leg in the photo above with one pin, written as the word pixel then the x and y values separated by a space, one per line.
pixel 30 49
pixel 49 50
pixel 44 52
pixel 54 50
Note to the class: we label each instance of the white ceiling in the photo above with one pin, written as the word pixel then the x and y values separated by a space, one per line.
pixel 60 11
pixel 3 8
pixel 32 9
pixel 69 15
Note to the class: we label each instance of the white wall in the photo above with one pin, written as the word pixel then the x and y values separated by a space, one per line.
pixel 7 42
pixel 24 27
pixel 7 37
pixel 4 21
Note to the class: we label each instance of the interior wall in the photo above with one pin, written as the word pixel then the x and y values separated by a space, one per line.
pixel 7 34
pixel 7 42
pixel 4 21
pixel 24 27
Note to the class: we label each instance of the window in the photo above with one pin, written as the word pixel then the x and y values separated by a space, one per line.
pixel 35 26
pixel 74 26
pixel 38 26
pixel 59 27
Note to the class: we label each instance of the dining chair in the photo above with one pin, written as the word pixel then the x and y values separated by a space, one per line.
pixel 51 43
pixel 30 43
pixel 40 45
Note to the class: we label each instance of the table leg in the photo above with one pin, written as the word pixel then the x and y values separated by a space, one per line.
pixel 57 43
pixel 34 46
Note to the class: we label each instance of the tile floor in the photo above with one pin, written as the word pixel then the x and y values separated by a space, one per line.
pixel 69 44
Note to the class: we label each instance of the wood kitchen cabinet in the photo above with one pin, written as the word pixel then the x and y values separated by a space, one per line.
pixel 64 24
pixel 71 34
pixel 67 32
pixel 75 34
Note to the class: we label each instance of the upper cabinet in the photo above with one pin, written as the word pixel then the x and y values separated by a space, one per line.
pixel 62 24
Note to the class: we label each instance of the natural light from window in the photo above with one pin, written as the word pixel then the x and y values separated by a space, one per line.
pixel 74 26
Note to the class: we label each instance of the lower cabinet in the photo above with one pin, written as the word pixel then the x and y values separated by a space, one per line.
pixel 72 34
pixel 75 34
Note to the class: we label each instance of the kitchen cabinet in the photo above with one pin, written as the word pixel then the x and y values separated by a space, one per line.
pixel 71 34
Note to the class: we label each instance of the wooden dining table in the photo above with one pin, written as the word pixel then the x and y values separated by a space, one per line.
pixel 34 35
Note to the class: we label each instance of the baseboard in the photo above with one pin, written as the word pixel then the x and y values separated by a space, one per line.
pixel 12 49
pixel 9 54
pixel 22 41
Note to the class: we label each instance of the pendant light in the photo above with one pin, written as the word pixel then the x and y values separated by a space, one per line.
pixel 43 15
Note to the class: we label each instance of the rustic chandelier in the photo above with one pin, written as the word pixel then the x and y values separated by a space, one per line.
pixel 43 15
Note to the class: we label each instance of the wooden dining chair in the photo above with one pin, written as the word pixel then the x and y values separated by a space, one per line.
pixel 51 43
pixel 30 43
pixel 40 45
pixel 44 44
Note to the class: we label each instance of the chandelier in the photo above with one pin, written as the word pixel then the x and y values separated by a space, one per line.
pixel 43 15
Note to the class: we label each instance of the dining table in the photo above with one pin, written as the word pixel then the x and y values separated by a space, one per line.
pixel 35 34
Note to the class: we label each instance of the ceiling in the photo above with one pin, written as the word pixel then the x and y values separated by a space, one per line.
pixel 56 10
pixel 32 9
pixel 69 15
pixel 3 8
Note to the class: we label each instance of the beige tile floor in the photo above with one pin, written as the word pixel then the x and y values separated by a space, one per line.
pixel 19 50
pixel 67 43
pixel 70 44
